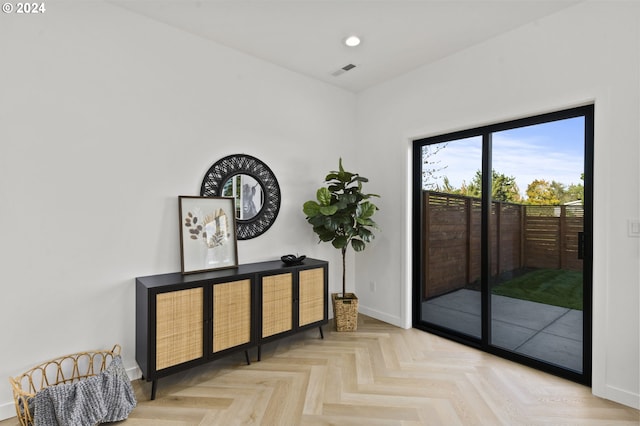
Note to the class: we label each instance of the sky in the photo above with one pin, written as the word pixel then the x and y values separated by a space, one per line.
pixel 549 151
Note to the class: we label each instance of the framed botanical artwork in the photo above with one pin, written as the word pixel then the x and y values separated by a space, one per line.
pixel 207 233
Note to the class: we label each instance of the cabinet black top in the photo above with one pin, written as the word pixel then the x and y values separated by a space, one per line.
pixel 247 269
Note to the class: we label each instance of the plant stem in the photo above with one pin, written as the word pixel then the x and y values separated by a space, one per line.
pixel 344 271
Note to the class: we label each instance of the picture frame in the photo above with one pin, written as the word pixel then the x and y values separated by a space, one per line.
pixel 207 233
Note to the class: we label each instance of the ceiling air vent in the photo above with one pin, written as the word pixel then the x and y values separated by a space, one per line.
pixel 342 70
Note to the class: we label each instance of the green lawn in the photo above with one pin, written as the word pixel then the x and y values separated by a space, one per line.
pixel 550 286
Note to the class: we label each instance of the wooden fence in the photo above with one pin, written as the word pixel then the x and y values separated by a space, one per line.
pixel 522 236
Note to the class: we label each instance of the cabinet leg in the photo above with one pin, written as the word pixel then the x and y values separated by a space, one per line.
pixel 154 386
pixel 246 355
pixel 321 333
pixel 259 352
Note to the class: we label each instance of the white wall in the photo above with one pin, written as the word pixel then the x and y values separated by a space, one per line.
pixel 105 118
pixel 587 53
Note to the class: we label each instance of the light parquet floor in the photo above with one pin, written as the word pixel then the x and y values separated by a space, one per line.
pixel 379 375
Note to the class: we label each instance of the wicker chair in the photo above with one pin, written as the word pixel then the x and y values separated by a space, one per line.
pixel 67 369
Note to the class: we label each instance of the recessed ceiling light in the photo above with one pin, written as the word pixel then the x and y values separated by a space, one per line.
pixel 352 41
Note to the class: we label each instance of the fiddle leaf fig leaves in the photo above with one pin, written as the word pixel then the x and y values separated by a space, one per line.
pixel 328 210
pixel 324 196
pixel 340 242
pixel 341 213
pixel 365 210
pixel 358 245
pixel 311 208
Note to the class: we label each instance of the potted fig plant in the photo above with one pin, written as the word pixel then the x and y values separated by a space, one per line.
pixel 342 214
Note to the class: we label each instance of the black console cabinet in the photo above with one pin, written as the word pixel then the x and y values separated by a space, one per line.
pixel 187 320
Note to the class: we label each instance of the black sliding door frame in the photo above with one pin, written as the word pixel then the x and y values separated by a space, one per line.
pixel 484 342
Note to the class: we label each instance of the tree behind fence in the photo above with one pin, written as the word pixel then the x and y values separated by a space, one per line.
pixel 527 236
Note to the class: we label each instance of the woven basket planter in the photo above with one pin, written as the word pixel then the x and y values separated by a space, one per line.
pixel 345 311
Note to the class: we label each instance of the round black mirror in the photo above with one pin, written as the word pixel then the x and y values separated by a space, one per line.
pixel 254 187
pixel 248 194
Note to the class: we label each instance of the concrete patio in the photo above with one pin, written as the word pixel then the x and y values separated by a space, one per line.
pixel 545 332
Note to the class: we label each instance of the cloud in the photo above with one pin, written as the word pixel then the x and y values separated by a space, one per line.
pixel 527 161
pixel 525 158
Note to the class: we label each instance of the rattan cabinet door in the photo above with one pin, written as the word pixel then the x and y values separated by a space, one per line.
pixel 311 296
pixel 277 304
pixel 179 327
pixel 231 314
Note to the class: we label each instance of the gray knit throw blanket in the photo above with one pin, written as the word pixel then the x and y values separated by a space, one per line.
pixel 106 397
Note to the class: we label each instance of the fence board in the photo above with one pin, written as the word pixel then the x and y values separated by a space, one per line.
pixel 522 236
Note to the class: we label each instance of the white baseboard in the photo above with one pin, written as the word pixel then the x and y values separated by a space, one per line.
pixel 621 396
pixel 134 373
pixel 397 321
pixel 7 410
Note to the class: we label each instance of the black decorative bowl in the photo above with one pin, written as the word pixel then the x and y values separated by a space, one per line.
pixel 291 259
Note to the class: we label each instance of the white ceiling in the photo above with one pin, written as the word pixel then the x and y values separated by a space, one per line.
pixel 306 36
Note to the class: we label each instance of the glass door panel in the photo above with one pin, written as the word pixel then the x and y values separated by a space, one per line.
pixel 502 247
pixel 536 225
pixel 451 218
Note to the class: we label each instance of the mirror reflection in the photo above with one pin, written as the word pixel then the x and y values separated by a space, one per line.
pixel 248 194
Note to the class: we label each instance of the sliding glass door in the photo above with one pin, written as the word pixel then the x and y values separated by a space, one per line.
pixel 451 226
pixel 502 254
pixel 537 280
